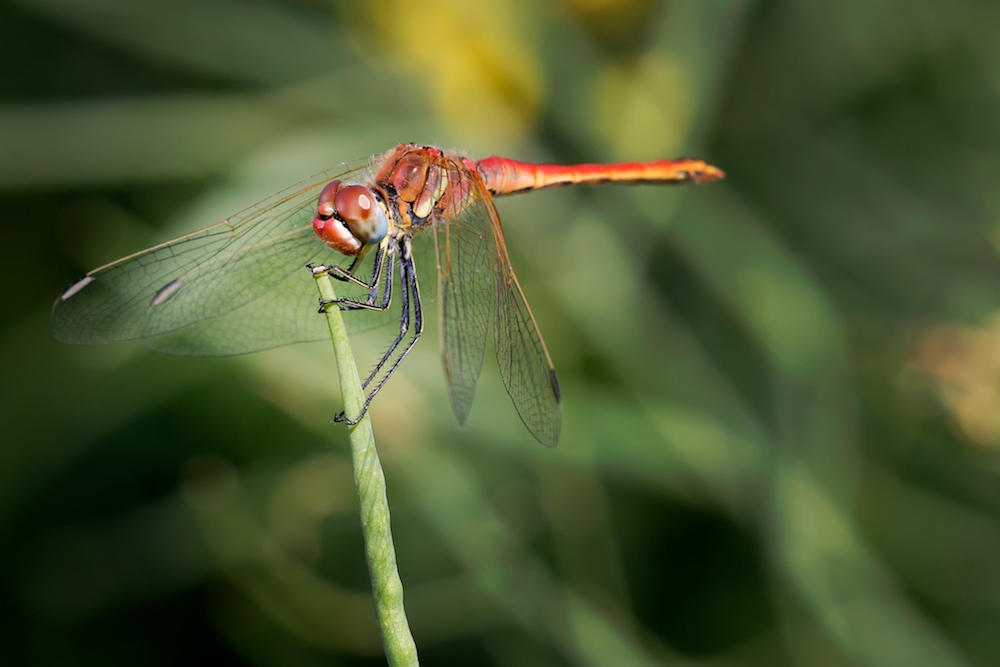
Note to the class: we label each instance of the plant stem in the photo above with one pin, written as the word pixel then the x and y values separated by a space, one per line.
pixel 400 649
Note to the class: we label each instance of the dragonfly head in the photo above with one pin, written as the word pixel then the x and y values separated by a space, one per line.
pixel 349 217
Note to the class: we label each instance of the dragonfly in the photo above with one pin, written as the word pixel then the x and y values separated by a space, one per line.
pixel 241 285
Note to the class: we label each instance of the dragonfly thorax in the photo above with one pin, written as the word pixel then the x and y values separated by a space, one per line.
pixel 421 177
pixel 349 217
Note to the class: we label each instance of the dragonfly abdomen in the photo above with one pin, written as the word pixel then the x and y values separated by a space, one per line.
pixel 504 176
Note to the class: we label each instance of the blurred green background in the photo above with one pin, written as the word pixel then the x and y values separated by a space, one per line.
pixel 781 392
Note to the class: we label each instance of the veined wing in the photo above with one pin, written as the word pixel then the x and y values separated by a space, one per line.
pixel 465 255
pixel 288 312
pixel 210 274
pixel 525 364
pixel 474 271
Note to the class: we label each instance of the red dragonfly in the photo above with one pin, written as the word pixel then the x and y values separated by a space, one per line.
pixel 240 285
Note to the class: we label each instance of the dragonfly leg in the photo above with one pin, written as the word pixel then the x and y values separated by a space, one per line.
pixel 347 275
pixel 409 298
pixel 383 253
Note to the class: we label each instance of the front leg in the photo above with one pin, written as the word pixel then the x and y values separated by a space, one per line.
pixel 342 274
pixel 383 256
pixel 372 302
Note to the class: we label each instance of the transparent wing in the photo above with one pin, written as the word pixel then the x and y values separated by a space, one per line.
pixel 233 287
pixel 286 313
pixel 465 257
pixel 474 270
pixel 525 364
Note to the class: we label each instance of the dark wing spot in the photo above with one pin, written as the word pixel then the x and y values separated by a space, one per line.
pixel 555 385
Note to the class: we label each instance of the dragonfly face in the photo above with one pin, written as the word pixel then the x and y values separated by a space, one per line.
pixel 350 217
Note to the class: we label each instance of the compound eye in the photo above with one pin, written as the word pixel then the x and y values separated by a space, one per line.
pixel 326 206
pixel 355 202
pixel 361 212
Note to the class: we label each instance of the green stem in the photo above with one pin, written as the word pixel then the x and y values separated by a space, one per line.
pixel 370 483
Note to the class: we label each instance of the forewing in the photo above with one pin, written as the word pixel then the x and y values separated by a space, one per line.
pixel 205 281
pixel 273 314
pixel 465 256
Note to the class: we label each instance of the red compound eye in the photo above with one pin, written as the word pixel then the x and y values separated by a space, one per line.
pixel 354 203
pixel 358 207
pixel 325 206
pixel 349 217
